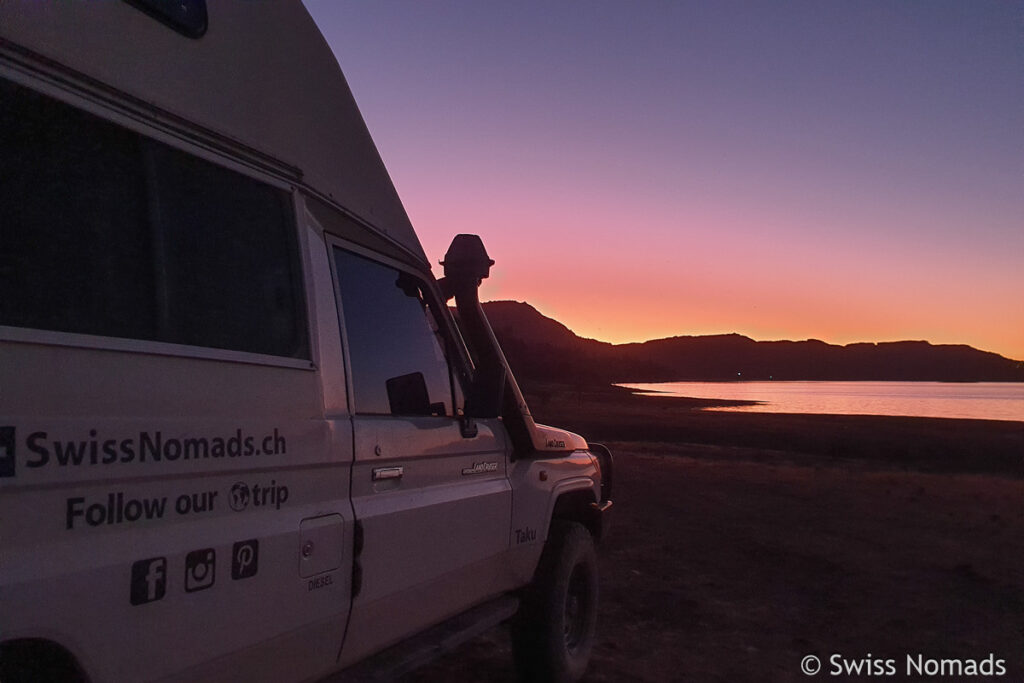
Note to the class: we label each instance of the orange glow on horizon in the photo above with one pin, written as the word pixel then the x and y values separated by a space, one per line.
pixel 600 323
pixel 614 288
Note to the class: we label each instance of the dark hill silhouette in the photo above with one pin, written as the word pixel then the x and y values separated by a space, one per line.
pixel 541 348
pixel 523 321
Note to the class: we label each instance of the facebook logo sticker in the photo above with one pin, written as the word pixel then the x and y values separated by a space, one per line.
pixel 149 580
pixel 6 451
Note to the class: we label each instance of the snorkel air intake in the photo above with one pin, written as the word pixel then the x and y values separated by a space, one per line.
pixel 494 390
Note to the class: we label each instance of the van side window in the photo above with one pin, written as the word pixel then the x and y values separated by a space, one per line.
pixel 394 344
pixel 106 232
pixel 231 280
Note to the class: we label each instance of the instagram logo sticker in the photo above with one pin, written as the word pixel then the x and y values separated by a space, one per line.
pixel 200 570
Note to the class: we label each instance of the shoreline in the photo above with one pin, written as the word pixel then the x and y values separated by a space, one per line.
pixel 611 413
pixel 1011 407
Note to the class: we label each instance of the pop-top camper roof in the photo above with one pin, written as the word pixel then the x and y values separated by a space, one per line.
pixel 260 81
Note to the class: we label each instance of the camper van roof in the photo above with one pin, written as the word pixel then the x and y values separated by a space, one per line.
pixel 262 79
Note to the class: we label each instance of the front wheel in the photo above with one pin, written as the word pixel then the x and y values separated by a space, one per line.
pixel 553 633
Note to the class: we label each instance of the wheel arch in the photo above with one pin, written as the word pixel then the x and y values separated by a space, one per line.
pixel 578 505
pixel 28 659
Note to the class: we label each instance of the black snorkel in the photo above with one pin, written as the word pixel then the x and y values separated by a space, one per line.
pixel 494 391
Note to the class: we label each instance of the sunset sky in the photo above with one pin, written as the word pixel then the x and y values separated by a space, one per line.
pixel 840 171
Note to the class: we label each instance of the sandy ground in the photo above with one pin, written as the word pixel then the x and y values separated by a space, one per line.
pixel 732 563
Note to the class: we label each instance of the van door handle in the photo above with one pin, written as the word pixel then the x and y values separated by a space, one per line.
pixel 388 473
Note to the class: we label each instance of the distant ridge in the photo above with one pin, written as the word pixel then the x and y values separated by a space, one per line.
pixel 542 348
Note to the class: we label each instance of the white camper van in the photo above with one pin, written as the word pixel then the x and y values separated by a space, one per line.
pixel 241 435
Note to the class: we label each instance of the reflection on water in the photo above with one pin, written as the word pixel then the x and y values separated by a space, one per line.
pixel 980 400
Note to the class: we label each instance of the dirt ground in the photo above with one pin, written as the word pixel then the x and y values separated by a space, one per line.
pixel 732 563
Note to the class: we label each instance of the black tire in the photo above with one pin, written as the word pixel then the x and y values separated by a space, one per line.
pixel 553 633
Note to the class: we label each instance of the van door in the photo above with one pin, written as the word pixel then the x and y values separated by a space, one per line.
pixel 433 500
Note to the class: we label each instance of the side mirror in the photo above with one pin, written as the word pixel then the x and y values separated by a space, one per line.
pixel 407 395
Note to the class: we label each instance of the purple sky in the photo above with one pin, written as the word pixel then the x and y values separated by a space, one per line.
pixel 842 171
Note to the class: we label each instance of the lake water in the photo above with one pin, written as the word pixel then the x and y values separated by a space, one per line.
pixel 980 400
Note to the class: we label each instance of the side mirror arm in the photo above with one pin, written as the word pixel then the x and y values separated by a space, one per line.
pixel 467 426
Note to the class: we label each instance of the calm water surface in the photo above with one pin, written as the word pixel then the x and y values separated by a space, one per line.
pixel 979 400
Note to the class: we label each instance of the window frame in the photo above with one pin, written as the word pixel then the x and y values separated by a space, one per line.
pixel 458 371
pixel 151 129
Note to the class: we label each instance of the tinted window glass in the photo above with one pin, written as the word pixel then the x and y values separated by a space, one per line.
pixel 74 248
pixel 398 362
pixel 225 242
pixel 105 232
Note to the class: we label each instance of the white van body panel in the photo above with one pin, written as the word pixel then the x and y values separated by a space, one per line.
pixel 82 527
